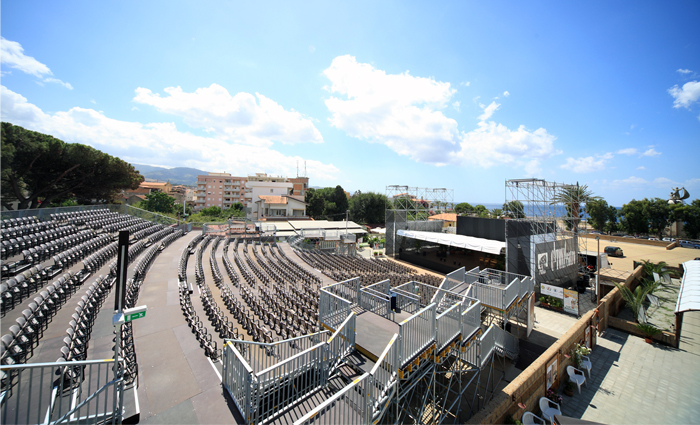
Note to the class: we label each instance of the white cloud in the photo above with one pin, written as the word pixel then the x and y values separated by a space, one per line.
pixel 456 106
pixel 684 97
pixel 242 118
pixel 651 152
pixel 404 113
pixel 57 81
pixel 692 183
pixel 312 49
pixel 664 182
pixel 627 151
pixel 532 168
pixel 630 181
pixel 159 143
pixel 12 54
pixel 684 71
pixel 586 164
pixel 93 101
pixel 506 93
pixel 488 110
pixel 465 83
pixel 641 167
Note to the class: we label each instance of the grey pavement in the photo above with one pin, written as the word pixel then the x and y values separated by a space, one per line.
pixel 636 382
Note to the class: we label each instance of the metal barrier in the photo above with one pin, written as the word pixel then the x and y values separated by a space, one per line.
pixel 507 343
pixel 264 395
pixel 238 379
pixel 454 279
pixel 348 406
pixel 384 378
pixel 471 319
pixel 379 305
pixel 449 325
pixel 407 302
pixel 332 309
pixel 260 355
pixel 348 290
pixel 510 293
pixel 85 391
pixel 420 290
pixel 487 345
pixel 416 334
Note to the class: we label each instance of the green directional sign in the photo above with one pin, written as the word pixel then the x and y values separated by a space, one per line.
pixel 134 316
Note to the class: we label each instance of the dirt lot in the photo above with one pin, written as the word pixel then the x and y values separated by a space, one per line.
pixel 637 252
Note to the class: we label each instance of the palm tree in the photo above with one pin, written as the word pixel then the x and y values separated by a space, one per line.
pixel 635 300
pixel 573 197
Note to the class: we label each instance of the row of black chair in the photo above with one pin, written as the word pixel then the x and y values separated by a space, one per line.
pixel 198 329
pixel 80 327
pixel 19 221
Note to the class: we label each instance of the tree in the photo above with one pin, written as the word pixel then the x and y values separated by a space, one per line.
pixel 38 170
pixel 463 208
pixel 316 203
pixel 481 211
pixel 159 202
pixel 658 214
pixel 598 210
pixel 633 220
pixel 574 198
pixel 211 211
pixel 634 300
pixel 514 209
pixel 689 214
pixel 340 199
pixel 496 213
pixel 368 207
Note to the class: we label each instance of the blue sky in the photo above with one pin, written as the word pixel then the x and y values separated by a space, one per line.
pixel 462 95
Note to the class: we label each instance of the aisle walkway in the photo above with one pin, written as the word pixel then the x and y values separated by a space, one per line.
pixel 636 382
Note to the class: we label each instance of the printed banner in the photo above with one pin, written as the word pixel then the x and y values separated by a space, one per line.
pixel 553 291
pixel 571 301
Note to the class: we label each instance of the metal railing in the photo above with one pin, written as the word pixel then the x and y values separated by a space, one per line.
pixel 419 290
pixel 487 345
pixel 348 290
pixel 454 279
pixel 384 378
pixel 510 293
pixel 347 406
pixel 507 343
pixel 379 305
pixel 262 396
pixel 416 334
pixel 332 309
pixel 449 325
pixel 85 391
pixel 471 319
pixel 261 355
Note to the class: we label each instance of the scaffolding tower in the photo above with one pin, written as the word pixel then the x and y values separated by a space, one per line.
pixel 544 213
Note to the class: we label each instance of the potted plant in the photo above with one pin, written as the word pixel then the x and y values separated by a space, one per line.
pixel 569 388
pixel 648 330
pixel 550 394
pixel 577 354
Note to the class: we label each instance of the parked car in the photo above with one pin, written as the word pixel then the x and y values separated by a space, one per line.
pixel 596 232
pixel 614 251
pixel 653 239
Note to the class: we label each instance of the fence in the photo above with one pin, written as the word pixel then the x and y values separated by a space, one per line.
pixel 416 334
pixel 348 290
pixel 487 345
pixel 332 310
pixel 260 355
pixel 379 305
pixel 449 325
pixel 264 395
pixel 85 391
pixel 471 319
pixel 348 406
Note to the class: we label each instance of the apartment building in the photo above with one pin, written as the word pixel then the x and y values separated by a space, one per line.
pixel 223 190
pixel 219 190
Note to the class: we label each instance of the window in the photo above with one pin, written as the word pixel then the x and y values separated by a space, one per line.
pixel 270 190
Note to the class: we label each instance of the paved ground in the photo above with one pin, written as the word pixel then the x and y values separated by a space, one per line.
pixel 636 382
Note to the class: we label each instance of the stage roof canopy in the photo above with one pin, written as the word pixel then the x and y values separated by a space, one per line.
pixel 689 294
pixel 459 241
